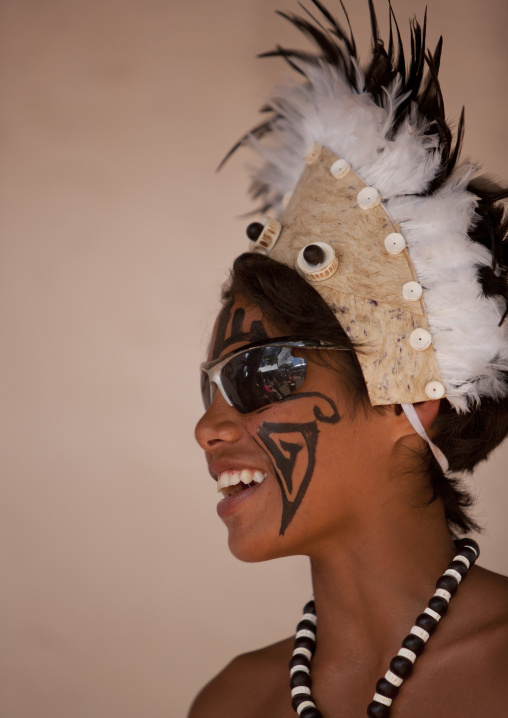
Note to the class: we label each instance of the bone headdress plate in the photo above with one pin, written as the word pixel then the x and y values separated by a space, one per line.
pixel 337 234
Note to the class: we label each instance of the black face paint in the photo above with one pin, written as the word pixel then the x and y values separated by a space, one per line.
pixel 284 453
pixel 256 331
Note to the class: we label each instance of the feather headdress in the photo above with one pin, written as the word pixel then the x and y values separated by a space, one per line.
pixel 387 124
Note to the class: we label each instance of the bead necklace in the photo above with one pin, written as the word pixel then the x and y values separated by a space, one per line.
pixel 401 666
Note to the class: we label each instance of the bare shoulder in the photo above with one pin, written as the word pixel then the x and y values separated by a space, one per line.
pixel 464 668
pixel 475 643
pixel 487 605
pixel 235 691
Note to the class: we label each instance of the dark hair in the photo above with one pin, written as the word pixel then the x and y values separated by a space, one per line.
pixel 290 303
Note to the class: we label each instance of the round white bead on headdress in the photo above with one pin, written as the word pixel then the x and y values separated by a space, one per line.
pixel 368 197
pixel 340 169
pixel 435 390
pixel 412 291
pixel 395 243
pixel 420 339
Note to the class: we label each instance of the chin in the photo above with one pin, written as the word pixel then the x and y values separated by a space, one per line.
pixel 247 547
pixel 250 551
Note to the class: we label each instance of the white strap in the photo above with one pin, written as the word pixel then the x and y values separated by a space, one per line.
pixel 417 425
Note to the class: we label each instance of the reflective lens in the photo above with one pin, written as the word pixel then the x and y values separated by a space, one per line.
pixel 259 374
pixel 262 376
pixel 254 377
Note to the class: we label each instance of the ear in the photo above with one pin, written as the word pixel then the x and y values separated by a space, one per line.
pixel 421 416
pixel 427 412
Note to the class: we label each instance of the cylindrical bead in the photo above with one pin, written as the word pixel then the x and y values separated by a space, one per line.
pixel 302 705
pixel 382 699
pixel 463 559
pixel 304 642
pixel 433 614
pixel 406 653
pixel 421 633
pixel 441 593
pixel 454 574
pixel 469 554
pixel 393 678
pixel 302 651
pixel 297 701
pixel 305 633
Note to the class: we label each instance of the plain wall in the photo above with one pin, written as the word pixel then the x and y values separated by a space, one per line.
pixel 119 597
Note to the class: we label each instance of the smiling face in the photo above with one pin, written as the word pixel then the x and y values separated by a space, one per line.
pixel 297 472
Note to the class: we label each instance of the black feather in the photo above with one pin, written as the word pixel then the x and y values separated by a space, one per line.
pixel 258 132
pixel 491 230
pixel 289 56
pixel 373 24
pixel 337 29
pixel 330 50
pixel 420 83
pixel 401 60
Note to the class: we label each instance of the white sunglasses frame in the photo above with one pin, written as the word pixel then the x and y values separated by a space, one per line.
pixel 214 367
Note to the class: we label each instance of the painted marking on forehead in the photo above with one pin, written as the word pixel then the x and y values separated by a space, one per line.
pixel 237 333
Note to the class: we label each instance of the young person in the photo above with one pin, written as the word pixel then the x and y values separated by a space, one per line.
pixel 359 365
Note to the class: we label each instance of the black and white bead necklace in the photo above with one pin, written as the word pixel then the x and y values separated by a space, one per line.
pixel 401 666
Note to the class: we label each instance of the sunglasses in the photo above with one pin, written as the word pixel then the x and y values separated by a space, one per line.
pixel 258 374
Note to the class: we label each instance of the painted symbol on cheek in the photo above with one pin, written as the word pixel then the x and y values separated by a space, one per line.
pixel 256 331
pixel 292 449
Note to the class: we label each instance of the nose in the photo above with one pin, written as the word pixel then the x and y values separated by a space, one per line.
pixel 219 425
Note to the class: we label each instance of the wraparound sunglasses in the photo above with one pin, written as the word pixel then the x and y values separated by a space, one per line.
pixel 258 374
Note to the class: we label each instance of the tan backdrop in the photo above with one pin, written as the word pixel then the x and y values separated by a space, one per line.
pixel 119 598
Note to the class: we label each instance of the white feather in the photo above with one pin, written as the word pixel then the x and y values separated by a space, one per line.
pixel 472 350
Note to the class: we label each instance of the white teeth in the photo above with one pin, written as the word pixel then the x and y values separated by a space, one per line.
pixel 258 476
pixel 246 476
pixel 228 478
pixel 232 478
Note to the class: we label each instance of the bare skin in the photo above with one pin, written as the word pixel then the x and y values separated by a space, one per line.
pixel 376 549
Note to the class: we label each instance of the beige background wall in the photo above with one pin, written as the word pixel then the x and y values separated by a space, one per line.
pixel 119 598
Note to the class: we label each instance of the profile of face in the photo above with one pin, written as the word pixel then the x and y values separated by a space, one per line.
pixel 294 473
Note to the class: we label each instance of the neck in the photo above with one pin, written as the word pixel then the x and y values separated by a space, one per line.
pixel 332 679
pixel 370 588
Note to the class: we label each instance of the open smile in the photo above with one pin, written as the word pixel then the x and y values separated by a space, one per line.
pixel 232 482
pixel 236 486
